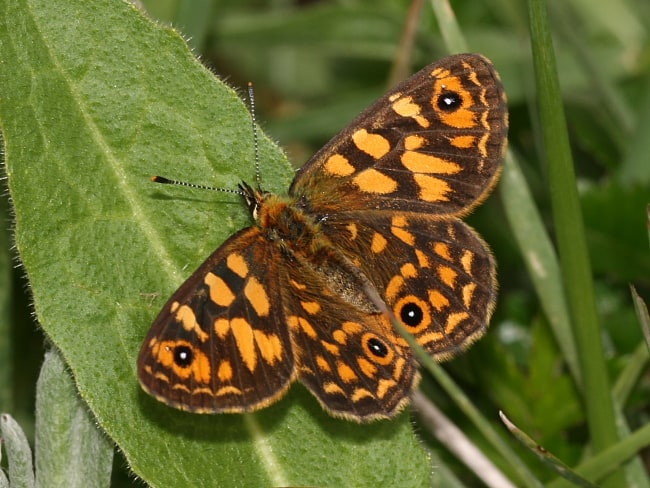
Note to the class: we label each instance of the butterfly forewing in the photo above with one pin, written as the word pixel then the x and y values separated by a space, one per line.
pixel 221 344
pixel 432 144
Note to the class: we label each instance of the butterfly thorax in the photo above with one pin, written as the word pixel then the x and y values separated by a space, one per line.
pixel 282 219
pixel 287 222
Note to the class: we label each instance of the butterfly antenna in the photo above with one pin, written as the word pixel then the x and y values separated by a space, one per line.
pixel 256 145
pixel 256 148
pixel 167 181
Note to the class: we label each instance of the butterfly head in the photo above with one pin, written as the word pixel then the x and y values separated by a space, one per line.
pixel 254 198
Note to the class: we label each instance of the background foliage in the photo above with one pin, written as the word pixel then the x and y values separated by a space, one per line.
pixel 317 64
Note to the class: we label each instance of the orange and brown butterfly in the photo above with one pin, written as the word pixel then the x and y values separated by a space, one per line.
pixel 370 225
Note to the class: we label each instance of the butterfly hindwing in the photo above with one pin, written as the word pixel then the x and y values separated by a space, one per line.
pixel 438 276
pixel 349 358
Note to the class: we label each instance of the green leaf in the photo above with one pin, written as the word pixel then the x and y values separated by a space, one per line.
pixel 6 289
pixel 90 108
pixel 70 450
pixel 19 455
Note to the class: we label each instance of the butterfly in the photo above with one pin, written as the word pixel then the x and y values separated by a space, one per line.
pixel 370 229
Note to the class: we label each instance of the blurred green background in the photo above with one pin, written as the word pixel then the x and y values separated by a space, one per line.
pixel 316 64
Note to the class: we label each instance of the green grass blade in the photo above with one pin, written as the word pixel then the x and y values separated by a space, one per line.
pixel 540 258
pixel 571 239
pixel 635 169
pixel 469 409
pixel 638 363
pixel 629 377
pixel 451 33
pixel 642 313
pixel 457 442
pixel 570 26
pixel 611 460
pixel 545 456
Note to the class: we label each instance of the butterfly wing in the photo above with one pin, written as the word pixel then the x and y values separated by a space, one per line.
pixel 432 144
pixel 438 276
pixel 231 340
pixel 348 357
pixel 388 191
pixel 220 344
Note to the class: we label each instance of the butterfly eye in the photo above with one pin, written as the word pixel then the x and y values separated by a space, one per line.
pixel 183 356
pixel 449 101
